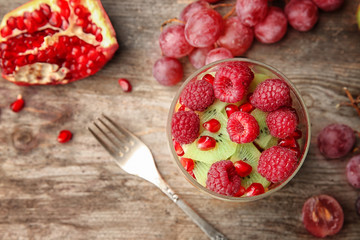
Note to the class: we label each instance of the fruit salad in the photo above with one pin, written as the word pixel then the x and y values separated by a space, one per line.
pixel 238 129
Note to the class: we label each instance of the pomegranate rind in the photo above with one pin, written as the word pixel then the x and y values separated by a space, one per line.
pixel 107 46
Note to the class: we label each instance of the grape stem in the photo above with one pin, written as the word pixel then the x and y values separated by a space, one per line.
pixel 353 102
pixel 170 21
pixel 223 5
pixel 231 12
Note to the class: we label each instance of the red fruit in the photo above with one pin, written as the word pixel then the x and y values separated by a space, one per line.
pixel 322 216
pixel 236 37
pixel 168 71
pixel 232 81
pixel 277 163
pixel 254 189
pixel 178 149
pixel 243 169
pixel 287 142
pixel 353 171
pixel 230 109
pixel 209 78
pixel 251 12
pixel 273 28
pixel 242 127
pixel 223 179
pixel 185 126
pixel 302 14
pixel 173 43
pixel 271 95
pixel 192 8
pixel 241 192
pixel 328 5
pixel 198 95
pixel 198 56
pixel 125 85
pixel 187 163
pixel 297 134
pixel 206 143
pixel 212 125
pixel 282 122
pixel 44 37
pixel 64 136
pixel 18 104
pixel 246 107
pixel 217 54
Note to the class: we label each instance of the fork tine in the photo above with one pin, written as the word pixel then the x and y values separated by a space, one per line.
pixel 124 131
pixel 119 137
pixel 102 142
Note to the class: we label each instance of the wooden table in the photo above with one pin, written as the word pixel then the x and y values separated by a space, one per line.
pixel 76 191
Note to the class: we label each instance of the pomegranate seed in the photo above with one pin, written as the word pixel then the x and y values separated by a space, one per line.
pixel 38 16
pixel 192 174
pixel 99 37
pixel 178 149
pixel 125 85
pixel 209 78
pixel 296 150
pixel 297 134
pixel 64 136
pixel 287 142
pixel 230 109
pixel 246 107
pixel 55 19
pixel 240 192
pixel 181 108
pixel 64 25
pixel 65 10
pixel 6 31
pixel 254 189
pixel 212 125
pixel 46 10
pixel 243 169
pixel 18 104
pixel 206 143
pixel 20 23
pixel 11 22
pixel 187 163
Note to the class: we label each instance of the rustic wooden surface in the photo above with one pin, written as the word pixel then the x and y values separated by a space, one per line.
pixel 76 191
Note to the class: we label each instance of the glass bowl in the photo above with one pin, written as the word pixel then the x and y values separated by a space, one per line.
pixel 297 103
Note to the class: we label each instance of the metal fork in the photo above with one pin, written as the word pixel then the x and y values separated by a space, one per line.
pixel 134 157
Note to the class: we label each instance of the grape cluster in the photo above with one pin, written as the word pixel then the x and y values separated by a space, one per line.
pixel 203 35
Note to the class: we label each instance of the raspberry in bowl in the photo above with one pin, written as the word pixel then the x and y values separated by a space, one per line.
pixel 238 129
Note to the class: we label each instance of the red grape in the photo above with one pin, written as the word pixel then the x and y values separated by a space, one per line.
pixel 173 43
pixel 203 28
pixel 302 14
pixel 328 5
pixel 251 12
pixel 322 216
pixel 192 8
pixel 273 27
pixel 336 140
pixel 217 54
pixel 168 71
pixel 236 37
pixel 198 55
pixel 353 171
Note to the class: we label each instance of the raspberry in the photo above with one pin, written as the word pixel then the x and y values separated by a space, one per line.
pixel 242 127
pixel 277 163
pixel 185 126
pixel 271 95
pixel 282 122
pixel 232 81
pixel 223 179
pixel 198 95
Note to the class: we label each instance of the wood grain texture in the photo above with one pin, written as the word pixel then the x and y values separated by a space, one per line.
pixel 76 191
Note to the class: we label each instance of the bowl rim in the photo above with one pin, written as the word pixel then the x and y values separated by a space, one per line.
pixel 195 183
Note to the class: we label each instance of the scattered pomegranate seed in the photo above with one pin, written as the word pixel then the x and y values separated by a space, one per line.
pixel 18 104
pixel 243 169
pixel 125 85
pixel 246 107
pixel 178 149
pixel 206 143
pixel 187 163
pixel 209 78
pixel 240 192
pixel 297 134
pixel 254 189
pixel 212 125
pixel 230 109
pixel 64 136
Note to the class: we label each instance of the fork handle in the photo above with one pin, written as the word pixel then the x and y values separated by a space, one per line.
pixel 209 230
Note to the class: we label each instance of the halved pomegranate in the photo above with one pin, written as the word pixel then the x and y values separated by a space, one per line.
pixel 55 41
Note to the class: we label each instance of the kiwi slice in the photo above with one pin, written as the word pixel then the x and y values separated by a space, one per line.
pixel 224 146
pixel 264 140
pixel 258 78
pixel 200 171
pixel 248 153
